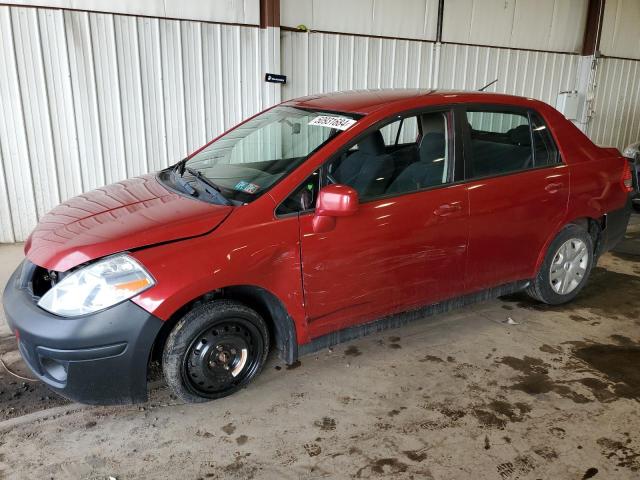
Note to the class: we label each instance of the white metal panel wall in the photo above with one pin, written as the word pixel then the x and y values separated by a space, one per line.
pixel 393 18
pixel 556 25
pixel 318 62
pixel 87 99
pixel 539 75
pixel 17 187
pixel 227 11
pixel 621 29
pixel 616 120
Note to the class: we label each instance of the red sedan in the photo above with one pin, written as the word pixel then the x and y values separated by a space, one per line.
pixel 314 222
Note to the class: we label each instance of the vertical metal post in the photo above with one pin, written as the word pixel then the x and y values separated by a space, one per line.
pixel 440 18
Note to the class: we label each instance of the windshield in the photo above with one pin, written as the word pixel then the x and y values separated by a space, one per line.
pixel 249 160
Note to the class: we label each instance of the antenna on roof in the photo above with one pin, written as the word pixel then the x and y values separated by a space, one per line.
pixel 487 86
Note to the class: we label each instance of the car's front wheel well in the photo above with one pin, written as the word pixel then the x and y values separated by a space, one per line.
pixel 281 326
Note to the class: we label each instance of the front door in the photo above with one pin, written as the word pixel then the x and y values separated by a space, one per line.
pixel 405 246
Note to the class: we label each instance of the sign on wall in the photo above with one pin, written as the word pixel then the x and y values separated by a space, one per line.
pixel 275 78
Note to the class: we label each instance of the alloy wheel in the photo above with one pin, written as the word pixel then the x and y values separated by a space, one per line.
pixel 569 266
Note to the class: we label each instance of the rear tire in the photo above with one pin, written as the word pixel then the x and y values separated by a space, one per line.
pixel 566 267
pixel 214 350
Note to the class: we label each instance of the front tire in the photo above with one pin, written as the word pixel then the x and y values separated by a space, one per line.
pixel 214 350
pixel 566 267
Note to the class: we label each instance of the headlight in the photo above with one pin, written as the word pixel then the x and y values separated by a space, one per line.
pixel 97 286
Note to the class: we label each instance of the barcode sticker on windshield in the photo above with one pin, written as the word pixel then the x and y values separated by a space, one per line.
pixel 340 123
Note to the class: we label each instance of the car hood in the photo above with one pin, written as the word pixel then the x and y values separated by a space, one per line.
pixel 122 216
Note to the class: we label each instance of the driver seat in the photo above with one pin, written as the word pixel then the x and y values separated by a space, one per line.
pixel 369 169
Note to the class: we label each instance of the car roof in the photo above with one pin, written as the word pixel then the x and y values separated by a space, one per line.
pixel 368 101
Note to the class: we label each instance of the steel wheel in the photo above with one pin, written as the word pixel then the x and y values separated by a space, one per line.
pixel 569 266
pixel 221 357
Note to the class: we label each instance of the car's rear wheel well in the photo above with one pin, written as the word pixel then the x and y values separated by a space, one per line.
pixel 269 307
pixel 566 265
pixel 594 227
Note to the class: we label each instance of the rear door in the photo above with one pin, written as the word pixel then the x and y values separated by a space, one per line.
pixel 406 245
pixel 518 193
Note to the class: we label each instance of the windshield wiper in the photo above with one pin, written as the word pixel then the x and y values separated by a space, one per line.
pixel 207 185
pixel 186 186
pixel 180 166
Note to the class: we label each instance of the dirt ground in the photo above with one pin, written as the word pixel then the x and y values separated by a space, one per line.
pixel 553 393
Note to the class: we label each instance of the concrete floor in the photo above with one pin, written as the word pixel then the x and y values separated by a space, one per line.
pixel 465 395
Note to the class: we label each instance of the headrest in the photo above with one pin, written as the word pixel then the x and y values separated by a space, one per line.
pixel 432 146
pixel 372 144
pixel 520 135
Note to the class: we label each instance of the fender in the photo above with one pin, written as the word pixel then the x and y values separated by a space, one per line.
pixel 270 307
pixel 593 193
pixel 578 220
pixel 248 253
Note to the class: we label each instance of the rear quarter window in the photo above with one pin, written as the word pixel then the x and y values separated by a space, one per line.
pixel 544 148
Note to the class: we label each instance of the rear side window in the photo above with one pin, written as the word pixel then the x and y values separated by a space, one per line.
pixel 501 142
pixel 545 151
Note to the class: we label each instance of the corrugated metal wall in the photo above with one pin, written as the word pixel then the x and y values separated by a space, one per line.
pixel 90 98
pixel 616 121
pixel 87 99
pixel 556 25
pixel 319 62
pixel 322 62
pixel 226 11
pixel 620 32
pixel 616 118
pixel 391 18
pixel 538 75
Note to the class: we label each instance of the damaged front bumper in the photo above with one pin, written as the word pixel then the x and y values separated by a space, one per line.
pixel 100 358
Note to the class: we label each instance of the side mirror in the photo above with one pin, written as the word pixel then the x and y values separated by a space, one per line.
pixel 334 201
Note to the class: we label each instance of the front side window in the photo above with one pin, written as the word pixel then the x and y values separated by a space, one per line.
pixel 303 198
pixel 500 142
pixel 249 160
pixel 404 156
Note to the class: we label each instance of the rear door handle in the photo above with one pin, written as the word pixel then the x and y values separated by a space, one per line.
pixel 553 187
pixel 448 209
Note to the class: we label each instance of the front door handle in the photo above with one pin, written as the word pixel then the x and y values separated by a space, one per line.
pixel 448 209
pixel 553 187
